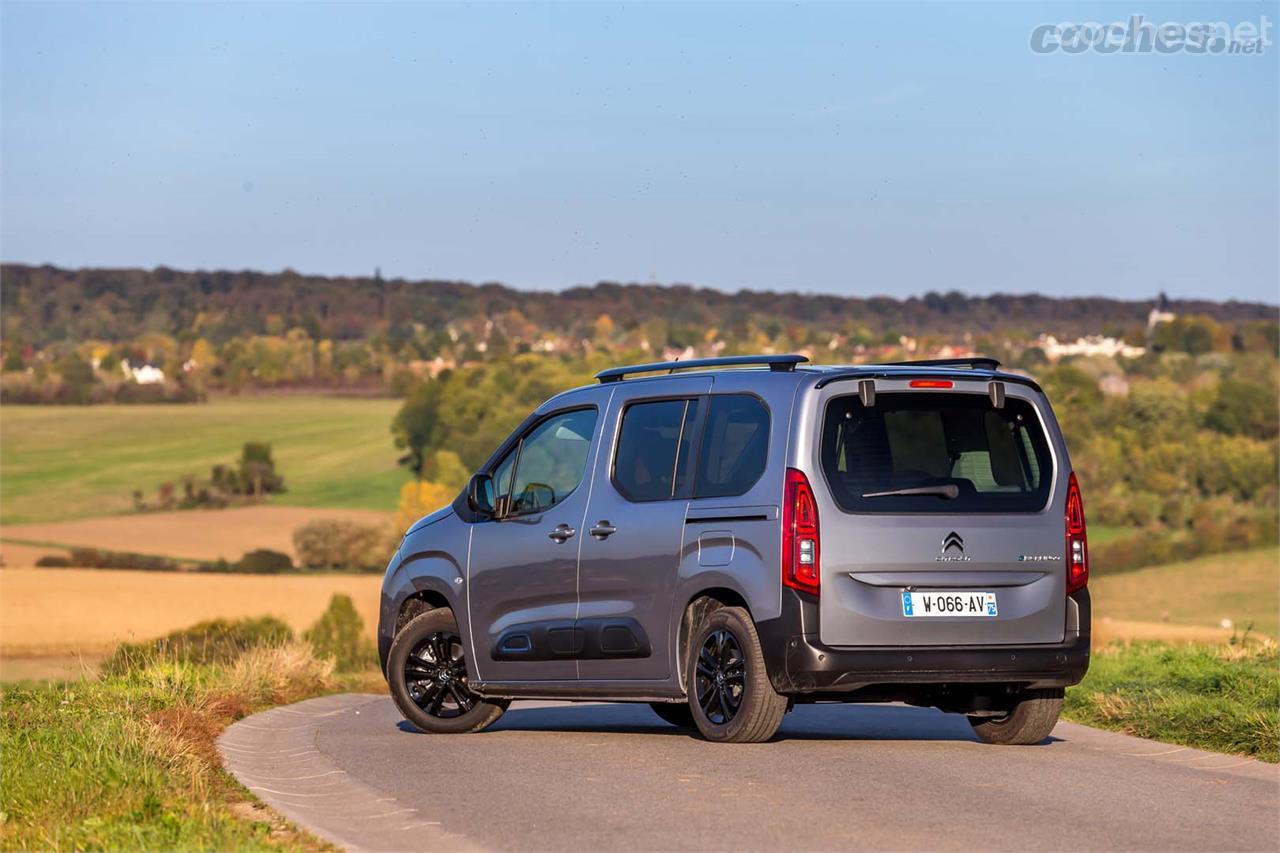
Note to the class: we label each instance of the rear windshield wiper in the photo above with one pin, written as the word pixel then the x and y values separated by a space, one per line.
pixel 950 491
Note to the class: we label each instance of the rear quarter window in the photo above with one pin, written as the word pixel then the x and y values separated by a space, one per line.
pixel 992 460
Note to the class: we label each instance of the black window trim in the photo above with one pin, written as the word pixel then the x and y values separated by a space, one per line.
pixel 516 446
pixel 1050 493
pixel 693 449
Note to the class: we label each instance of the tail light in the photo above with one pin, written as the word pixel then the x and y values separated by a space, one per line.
pixel 800 542
pixel 1077 539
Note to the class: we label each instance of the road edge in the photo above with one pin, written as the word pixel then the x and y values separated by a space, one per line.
pixel 274 755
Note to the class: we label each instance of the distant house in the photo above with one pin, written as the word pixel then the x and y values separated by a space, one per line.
pixel 1088 345
pixel 143 374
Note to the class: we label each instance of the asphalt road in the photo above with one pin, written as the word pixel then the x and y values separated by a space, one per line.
pixel 603 776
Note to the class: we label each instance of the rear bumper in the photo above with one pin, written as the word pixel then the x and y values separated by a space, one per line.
pixel 799 663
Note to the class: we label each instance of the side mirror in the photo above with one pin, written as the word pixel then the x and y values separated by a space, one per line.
pixel 480 495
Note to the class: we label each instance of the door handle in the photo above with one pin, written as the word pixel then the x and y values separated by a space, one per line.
pixel 562 533
pixel 603 530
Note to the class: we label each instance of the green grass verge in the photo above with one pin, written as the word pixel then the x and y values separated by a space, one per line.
pixel 63 462
pixel 1243 586
pixel 1225 698
pixel 128 761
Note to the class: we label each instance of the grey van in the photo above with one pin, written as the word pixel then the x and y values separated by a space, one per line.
pixel 723 538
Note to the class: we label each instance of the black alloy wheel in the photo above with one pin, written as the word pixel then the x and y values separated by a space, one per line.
pixel 721 677
pixel 436 676
pixel 427 677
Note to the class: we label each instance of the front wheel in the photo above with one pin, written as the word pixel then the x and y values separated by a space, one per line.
pixel 730 695
pixel 1029 721
pixel 427 675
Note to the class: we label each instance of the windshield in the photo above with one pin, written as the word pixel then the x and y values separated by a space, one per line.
pixel 919 452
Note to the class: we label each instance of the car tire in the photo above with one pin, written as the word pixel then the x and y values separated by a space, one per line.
pixel 439 700
pixel 675 713
pixel 1030 720
pixel 731 698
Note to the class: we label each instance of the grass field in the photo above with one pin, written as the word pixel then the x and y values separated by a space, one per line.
pixel 197 534
pixel 63 462
pixel 1222 698
pixel 1243 586
pixel 127 761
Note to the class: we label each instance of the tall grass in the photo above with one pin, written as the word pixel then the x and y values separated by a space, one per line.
pixel 1222 698
pixel 128 762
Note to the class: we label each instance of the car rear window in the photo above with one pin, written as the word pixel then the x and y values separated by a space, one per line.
pixel 980 458
pixel 735 446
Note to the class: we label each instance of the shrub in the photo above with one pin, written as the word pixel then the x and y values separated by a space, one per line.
pixel 278 673
pixel 337 636
pixel 265 561
pixel 418 498
pixel 330 543
pixel 214 641
pixel 92 558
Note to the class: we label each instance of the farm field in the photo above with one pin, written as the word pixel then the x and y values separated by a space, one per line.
pixel 198 534
pixel 68 612
pixel 1243 586
pixel 68 462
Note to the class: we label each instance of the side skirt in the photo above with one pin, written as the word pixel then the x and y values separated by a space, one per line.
pixel 583 691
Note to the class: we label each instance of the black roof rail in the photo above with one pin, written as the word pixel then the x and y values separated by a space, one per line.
pixel 975 363
pixel 777 363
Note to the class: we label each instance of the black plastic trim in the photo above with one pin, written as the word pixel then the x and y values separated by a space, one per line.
pixel 777 363
pixel 799 664
pixel 701 519
pixel 568 639
pixel 908 372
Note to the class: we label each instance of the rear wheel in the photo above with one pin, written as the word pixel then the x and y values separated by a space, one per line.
pixel 675 713
pixel 730 697
pixel 427 675
pixel 1029 721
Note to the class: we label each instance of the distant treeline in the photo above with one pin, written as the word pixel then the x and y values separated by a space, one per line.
pixel 47 304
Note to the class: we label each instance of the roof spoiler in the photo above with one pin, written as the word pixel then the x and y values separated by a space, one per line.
pixel 776 363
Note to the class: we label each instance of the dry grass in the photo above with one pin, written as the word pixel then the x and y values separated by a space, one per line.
pixel 198 534
pixel 88 611
pixel 129 762
pixel 1243 586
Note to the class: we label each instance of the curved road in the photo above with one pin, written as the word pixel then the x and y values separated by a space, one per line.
pixel 603 776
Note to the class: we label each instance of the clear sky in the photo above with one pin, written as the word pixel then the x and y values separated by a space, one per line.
pixel 852 148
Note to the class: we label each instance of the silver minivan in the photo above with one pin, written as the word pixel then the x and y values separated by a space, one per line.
pixel 723 538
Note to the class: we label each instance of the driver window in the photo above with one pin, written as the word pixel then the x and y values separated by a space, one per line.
pixel 551 461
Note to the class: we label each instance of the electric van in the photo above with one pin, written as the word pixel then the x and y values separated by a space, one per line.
pixel 724 538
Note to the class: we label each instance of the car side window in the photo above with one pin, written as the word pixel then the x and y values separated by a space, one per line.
pixel 653 449
pixel 735 446
pixel 549 462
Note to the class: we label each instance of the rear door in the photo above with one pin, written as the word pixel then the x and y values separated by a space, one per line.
pixel 941 517
pixel 634 530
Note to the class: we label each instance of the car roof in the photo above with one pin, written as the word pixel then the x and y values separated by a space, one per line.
pixel 779 367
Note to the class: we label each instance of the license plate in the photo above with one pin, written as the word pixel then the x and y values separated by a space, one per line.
pixel 949 604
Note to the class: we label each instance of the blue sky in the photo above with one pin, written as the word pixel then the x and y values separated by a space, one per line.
pixel 852 148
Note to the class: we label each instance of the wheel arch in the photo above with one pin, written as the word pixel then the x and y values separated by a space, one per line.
pixel 696 606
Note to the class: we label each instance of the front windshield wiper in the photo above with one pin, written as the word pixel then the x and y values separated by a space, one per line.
pixel 950 491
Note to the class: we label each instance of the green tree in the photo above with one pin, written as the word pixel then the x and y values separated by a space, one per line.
pixel 337 634
pixel 1244 408
pixel 416 427
pixel 445 468
pixel 77 378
